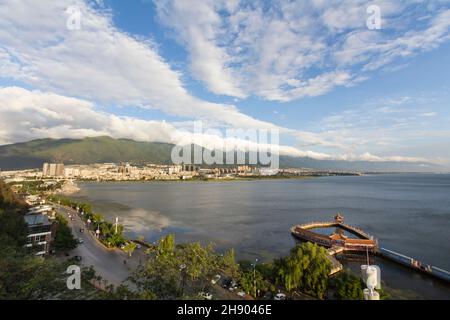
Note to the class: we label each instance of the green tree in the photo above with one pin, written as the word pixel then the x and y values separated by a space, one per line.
pixel 178 271
pixel 305 269
pixel 97 218
pixel 248 279
pixel 13 229
pixel 129 248
pixel 109 235
pixel 166 245
pixel 347 286
pixel 228 264
pixel 64 239
pixel 262 273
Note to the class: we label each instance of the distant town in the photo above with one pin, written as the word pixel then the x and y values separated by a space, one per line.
pixel 130 172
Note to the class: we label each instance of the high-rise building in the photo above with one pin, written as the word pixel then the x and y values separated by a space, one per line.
pixel 59 169
pixel 46 169
pixel 53 169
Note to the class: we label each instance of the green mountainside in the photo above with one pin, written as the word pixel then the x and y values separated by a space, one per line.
pixel 34 153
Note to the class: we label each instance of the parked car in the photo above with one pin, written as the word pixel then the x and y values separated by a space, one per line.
pixel 268 296
pixel 76 258
pixel 241 294
pixel 215 279
pixel 233 285
pixel 80 241
pixel 206 295
pixel 226 283
pixel 280 296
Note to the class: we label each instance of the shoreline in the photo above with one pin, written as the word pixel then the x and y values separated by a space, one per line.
pixel 256 178
pixel 69 187
pixel 199 180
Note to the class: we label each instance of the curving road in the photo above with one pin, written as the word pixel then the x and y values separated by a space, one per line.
pixel 108 263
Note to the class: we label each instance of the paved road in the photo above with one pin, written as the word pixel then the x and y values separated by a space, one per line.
pixel 108 263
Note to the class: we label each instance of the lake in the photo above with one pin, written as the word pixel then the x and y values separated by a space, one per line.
pixel 408 213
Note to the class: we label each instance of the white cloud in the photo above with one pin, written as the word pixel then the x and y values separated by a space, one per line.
pixel 209 62
pixel 374 50
pixel 28 115
pixel 401 124
pixel 97 62
pixel 248 50
pixel 428 114
pixel 285 50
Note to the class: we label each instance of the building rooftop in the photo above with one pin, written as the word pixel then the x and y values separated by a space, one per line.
pixel 36 219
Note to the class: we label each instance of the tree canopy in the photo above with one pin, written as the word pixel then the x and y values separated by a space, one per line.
pixel 306 269
pixel 180 271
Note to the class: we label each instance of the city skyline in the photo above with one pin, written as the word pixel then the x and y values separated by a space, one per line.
pixel 146 70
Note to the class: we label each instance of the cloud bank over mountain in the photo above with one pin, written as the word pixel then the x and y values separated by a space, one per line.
pixel 59 82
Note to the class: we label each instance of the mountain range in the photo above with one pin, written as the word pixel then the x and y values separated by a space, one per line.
pixel 34 153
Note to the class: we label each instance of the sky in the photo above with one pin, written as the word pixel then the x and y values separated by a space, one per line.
pixel 322 73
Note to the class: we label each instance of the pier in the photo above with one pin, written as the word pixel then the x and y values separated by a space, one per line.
pixel 363 243
pixel 336 266
pixel 414 264
pixel 339 243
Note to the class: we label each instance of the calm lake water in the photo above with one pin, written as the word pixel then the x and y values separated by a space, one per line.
pixel 407 213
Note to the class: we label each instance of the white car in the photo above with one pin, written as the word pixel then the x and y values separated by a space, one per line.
pixel 215 279
pixel 80 240
pixel 280 296
pixel 233 286
pixel 241 294
pixel 205 295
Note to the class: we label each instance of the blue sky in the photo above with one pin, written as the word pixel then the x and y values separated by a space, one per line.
pixel 313 70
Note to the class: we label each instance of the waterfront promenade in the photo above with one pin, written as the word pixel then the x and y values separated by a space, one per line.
pixel 108 263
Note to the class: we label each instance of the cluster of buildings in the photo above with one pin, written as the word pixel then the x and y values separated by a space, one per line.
pixel 126 171
pixel 129 172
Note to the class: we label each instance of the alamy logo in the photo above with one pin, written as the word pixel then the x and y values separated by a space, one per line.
pixel 236 147
pixel 74 19
pixel 74 280
pixel 374 20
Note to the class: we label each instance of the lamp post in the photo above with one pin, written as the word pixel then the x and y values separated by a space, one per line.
pixel 183 275
pixel 254 276
pixel 98 230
